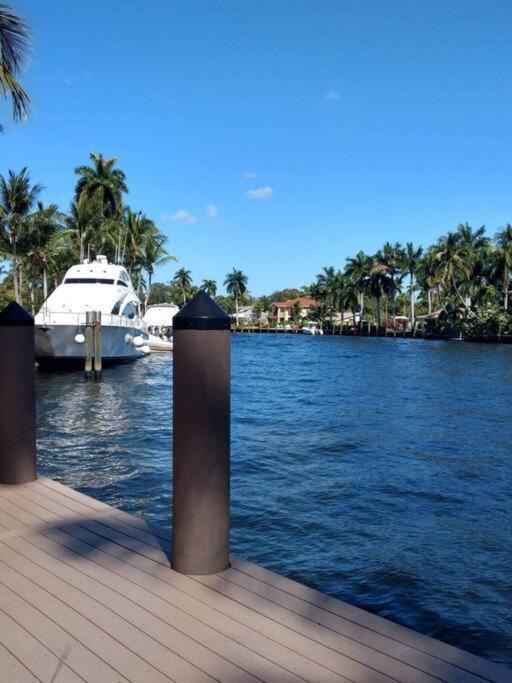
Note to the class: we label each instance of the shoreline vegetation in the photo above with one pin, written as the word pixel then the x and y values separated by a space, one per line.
pixel 459 287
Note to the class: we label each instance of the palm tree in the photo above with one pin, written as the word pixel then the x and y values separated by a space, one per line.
pixel 210 287
pixel 411 261
pixel 236 286
pixel 504 242
pixel 327 281
pixel 14 50
pixel 392 257
pixel 83 222
pixel 454 259
pixel 358 270
pixel 379 284
pixel 154 254
pixel 103 182
pixel 17 197
pixel 183 279
pixel 43 226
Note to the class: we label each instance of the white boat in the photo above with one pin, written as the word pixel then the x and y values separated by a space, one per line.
pixel 91 286
pixel 159 318
pixel 312 329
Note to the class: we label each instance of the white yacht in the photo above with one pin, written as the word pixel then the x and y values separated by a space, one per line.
pixel 92 286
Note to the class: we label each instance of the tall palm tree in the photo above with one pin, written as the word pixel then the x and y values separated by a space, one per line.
pixel 504 261
pixel 379 284
pixel 236 286
pixel 454 259
pixel 17 197
pixel 411 261
pixel 183 279
pixel 102 182
pixel 358 270
pixel 210 287
pixel 154 254
pixel 327 280
pixel 392 258
pixel 43 227
pixel 83 222
pixel 14 50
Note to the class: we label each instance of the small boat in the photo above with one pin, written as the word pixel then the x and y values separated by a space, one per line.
pixel 92 289
pixel 159 344
pixel 312 329
pixel 159 318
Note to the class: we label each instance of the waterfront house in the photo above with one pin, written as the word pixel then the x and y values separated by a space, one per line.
pixel 282 310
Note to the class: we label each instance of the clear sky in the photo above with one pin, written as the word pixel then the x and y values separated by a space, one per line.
pixel 276 136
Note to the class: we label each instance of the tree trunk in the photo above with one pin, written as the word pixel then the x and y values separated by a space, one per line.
pixel 15 270
pixel 146 300
pixel 361 312
pixel 236 311
pixel 429 296
pixel 32 299
pixel 377 300
pixel 20 287
pixel 412 301
pixel 45 284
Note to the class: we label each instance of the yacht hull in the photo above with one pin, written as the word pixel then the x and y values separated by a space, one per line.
pixel 55 344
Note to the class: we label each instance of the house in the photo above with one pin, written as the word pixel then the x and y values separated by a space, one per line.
pixel 282 310
pixel 245 314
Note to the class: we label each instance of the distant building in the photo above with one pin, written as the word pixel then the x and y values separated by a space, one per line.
pixel 245 314
pixel 282 310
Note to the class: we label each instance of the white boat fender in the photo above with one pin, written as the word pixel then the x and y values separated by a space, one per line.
pixel 79 338
pixel 145 349
pixel 128 339
pixel 138 341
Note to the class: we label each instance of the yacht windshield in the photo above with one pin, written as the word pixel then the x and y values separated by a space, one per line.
pixel 87 280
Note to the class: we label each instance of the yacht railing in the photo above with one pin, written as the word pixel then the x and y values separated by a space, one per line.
pixel 46 317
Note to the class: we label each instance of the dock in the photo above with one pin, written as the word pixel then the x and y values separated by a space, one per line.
pixel 87 594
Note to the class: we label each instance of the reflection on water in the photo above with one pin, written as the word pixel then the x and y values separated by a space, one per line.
pixel 376 470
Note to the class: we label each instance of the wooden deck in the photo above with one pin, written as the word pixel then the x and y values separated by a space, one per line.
pixel 86 594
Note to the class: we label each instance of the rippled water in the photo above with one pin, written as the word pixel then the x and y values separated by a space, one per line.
pixel 376 470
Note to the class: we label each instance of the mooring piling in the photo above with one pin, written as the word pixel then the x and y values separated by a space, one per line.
pixel 201 437
pixel 93 362
pixel 17 396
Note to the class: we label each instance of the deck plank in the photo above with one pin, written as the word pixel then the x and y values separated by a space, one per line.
pixel 87 594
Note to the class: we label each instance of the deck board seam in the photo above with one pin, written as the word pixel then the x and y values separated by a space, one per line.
pixel 206 604
pixel 70 635
pixel 135 604
pixel 32 635
pixel 153 666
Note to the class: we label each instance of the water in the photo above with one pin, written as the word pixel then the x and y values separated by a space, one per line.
pixel 376 470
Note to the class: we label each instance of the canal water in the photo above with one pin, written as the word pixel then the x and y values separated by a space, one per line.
pixel 376 470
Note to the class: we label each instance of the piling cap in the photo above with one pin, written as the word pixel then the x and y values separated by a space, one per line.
pixel 201 313
pixel 14 315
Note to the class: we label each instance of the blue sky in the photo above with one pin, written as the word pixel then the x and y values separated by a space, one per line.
pixel 310 129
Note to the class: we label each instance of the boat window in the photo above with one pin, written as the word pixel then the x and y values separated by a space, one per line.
pixel 117 307
pixel 130 311
pixel 123 284
pixel 87 280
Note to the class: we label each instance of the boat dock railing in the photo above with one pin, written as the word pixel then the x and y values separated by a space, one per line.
pixel 46 317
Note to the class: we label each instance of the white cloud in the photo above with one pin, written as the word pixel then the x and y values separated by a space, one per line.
pixel 211 211
pixel 260 193
pixel 332 95
pixel 181 215
pixel 249 174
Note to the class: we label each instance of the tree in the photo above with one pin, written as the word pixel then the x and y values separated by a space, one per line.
pixel 153 254
pixel 296 313
pixel 358 270
pixel 236 286
pixel 504 261
pixel 103 183
pixel 379 284
pixel 454 260
pixel 17 197
pixel 43 227
pixel 210 287
pixel 183 279
pixel 411 261
pixel 14 51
